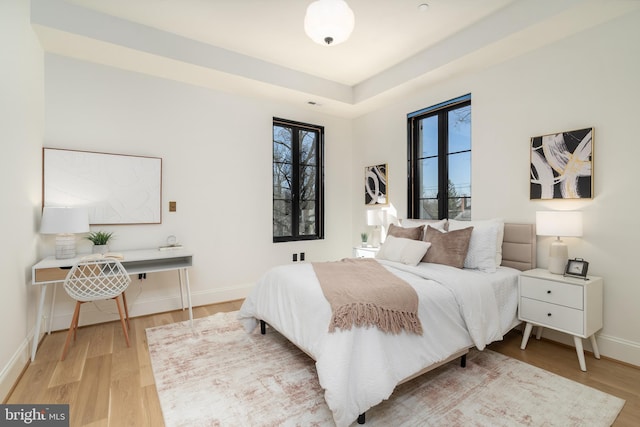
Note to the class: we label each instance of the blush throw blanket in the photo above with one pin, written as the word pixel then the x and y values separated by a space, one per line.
pixel 362 292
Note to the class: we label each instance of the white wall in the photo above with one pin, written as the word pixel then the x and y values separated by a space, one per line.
pixel 588 80
pixel 217 152
pixel 21 120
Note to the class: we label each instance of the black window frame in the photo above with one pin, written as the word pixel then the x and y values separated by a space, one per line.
pixel 295 190
pixel 440 110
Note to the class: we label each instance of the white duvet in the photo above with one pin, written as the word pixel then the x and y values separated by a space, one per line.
pixel 360 368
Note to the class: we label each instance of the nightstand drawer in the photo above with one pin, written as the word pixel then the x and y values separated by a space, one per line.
pixel 554 292
pixel 551 315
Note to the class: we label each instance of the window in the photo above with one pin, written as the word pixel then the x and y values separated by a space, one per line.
pixel 439 161
pixel 298 199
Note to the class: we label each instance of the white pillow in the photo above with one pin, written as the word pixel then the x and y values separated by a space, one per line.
pixel 485 246
pixel 406 251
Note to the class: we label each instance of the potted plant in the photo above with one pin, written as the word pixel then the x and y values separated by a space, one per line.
pixel 100 240
pixel 364 237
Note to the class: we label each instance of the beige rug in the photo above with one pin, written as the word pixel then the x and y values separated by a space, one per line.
pixel 217 375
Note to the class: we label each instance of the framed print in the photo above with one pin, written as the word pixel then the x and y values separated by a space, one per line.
pixel 577 268
pixel 562 165
pixel 115 188
pixel 375 185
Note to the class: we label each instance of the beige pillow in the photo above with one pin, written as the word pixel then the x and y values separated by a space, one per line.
pixel 413 233
pixel 447 248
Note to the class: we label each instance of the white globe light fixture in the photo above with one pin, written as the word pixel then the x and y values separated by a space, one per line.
pixel 329 22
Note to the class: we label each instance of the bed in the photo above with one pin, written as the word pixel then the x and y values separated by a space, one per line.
pixel 459 308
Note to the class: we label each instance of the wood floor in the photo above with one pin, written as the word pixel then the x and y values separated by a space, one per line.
pixel 108 384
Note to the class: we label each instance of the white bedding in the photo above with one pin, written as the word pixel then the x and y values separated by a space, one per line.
pixel 360 368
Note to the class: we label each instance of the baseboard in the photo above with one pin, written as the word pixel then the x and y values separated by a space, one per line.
pixel 105 311
pixel 611 347
pixel 12 371
pixel 619 349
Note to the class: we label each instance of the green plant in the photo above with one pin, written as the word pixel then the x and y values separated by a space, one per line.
pixel 100 237
pixel 364 237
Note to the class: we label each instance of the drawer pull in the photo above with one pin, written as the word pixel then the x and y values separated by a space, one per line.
pixel 548 314
pixel 548 292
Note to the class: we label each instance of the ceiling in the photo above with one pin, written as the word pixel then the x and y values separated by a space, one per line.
pixel 258 47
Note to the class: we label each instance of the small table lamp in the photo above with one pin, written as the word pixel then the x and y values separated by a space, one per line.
pixel 375 219
pixel 64 223
pixel 559 224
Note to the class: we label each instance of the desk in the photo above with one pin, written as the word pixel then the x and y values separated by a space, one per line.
pixel 51 271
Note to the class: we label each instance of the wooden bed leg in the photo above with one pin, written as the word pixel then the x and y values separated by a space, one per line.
pixel 361 418
pixel 263 327
pixel 463 361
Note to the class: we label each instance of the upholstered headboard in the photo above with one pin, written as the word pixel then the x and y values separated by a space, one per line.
pixel 519 246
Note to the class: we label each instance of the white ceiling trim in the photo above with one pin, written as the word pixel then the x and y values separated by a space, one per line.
pixel 73 31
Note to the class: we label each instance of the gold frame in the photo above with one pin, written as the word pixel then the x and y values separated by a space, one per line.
pixel 560 164
pixel 376 185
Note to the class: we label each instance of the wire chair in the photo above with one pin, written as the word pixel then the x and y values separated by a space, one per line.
pixel 95 280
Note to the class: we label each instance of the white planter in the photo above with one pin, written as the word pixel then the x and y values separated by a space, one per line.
pixel 100 249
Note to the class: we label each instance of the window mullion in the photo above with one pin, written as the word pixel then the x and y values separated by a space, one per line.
pixel 295 177
pixel 443 166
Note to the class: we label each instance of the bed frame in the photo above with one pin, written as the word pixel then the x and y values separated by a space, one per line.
pixel 518 251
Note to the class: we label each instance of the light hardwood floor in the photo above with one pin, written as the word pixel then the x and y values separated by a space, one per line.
pixel 108 384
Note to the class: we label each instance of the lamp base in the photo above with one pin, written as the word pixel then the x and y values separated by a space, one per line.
pixel 375 236
pixel 65 246
pixel 558 257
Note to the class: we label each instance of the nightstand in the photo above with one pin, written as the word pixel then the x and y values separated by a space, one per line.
pixel 360 252
pixel 565 304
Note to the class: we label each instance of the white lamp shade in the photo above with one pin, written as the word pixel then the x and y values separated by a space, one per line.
pixel 559 223
pixel 374 217
pixel 64 220
pixel 329 22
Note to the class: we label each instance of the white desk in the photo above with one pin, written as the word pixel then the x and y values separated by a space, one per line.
pixel 51 271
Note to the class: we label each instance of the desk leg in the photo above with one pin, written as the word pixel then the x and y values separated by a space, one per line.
pixel 180 281
pixel 52 308
pixel 186 282
pixel 36 336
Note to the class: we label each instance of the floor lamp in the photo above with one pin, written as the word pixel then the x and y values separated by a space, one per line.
pixel 558 224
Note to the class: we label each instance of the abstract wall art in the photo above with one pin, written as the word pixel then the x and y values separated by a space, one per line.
pixel 115 188
pixel 562 165
pixel 375 185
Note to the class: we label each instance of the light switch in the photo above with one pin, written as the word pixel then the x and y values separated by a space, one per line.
pixel 172 206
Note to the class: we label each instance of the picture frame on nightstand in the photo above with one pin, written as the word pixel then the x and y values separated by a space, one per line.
pixel 577 268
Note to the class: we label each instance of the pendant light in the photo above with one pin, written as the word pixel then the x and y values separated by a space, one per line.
pixel 329 22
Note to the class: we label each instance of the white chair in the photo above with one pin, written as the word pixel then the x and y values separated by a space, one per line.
pixel 94 280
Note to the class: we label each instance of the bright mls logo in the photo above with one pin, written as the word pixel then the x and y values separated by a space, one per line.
pixel 34 415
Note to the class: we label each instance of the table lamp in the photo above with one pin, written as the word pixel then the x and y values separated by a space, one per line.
pixel 559 224
pixel 64 222
pixel 375 219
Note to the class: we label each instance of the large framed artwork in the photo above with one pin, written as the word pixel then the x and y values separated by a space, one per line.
pixel 115 188
pixel 562 165
pixel 375 185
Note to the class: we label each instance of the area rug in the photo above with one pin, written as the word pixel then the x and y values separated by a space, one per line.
pixel 215 374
